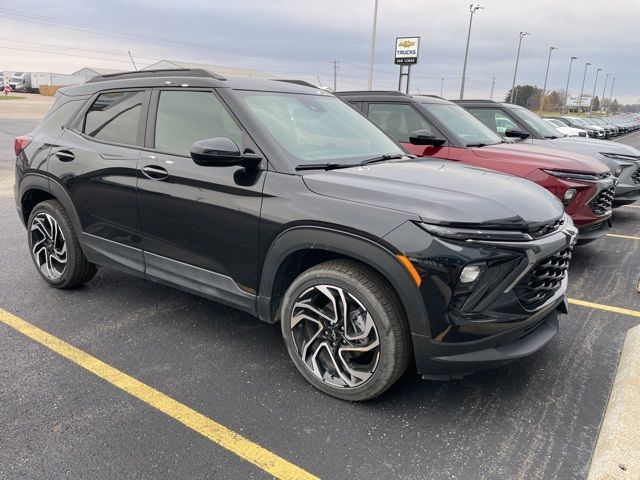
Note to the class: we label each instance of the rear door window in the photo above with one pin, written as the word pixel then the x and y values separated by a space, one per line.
pixel 398 119
pixel 115 117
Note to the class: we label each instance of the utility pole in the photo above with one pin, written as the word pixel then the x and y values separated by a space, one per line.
pixel 441 85
pixel 584 76
pixel 546 75
pixel 611 94
pixel 134 63
pixel 335 74
pixel 472 8
pixel 593 95
pixel 566 90
pixel 493 86
pixel 373 45
pixel 604 89
pixel 515 71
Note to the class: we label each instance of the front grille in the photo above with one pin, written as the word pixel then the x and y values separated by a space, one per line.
pixel 547 229
pixel 601 203
pixel 635 176
pixel 543 280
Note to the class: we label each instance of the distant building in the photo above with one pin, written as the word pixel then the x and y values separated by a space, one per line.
pixel 228 71
pixel 88 73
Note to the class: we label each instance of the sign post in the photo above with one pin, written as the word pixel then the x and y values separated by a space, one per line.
pixel 406 54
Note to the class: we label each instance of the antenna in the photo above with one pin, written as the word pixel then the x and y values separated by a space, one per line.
pixel 131 57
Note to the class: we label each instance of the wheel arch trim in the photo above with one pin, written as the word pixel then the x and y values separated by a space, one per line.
pixel 364 250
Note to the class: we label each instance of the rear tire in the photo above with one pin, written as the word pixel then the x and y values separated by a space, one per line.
pixel 55 249
pixel 345 331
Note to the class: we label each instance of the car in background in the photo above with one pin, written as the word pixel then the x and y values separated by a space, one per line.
pixel 623 160
pixel 592 131
pixel 281 201
pixel 430 126
pixel 563 128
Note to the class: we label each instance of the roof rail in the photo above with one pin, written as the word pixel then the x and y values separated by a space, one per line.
pixel 165 72
pixel 431 96
pixel 372 92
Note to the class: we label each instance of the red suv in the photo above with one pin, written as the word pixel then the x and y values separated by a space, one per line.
pixel 430 126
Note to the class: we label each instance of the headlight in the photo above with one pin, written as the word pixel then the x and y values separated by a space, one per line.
pixel 573 175
pixel 621 156
pixel 465 234
pixel 470 273
pixel 568 196
pixel 618 171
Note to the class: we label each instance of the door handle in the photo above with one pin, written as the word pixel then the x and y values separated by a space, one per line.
pixel 155 173
pixel 64 155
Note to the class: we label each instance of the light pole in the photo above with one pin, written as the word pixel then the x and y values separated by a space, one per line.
pixel 441 85
pixel 473 8
pixel 546 75
pixel 586 65
pixel 515 71
pixel 373 45
pixel 611 94
pixel 593 95
pixel 604 89
pixel 566 90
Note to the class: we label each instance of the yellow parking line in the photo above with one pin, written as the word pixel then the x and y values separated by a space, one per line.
pixel 608 308
pixel 628 237
pixel 217 433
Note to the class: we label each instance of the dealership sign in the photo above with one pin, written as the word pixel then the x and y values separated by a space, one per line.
pixel 407 50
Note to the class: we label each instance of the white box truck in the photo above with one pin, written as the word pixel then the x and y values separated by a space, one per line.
pixel 32 81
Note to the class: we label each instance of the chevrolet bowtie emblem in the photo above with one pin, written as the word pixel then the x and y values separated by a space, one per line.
pixel 406 44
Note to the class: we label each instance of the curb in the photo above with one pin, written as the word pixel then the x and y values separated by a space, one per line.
pixel 617 452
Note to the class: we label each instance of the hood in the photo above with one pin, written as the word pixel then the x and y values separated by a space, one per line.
pixel 543 157
pixel 442 192
pixel 593 146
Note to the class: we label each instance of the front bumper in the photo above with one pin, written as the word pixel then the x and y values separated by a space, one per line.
pixel 628 186
pixel 468 322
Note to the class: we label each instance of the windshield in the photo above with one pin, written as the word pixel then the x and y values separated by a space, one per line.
pixel 556 123
pixel 316 128
pixel 464 126
pixel 534 122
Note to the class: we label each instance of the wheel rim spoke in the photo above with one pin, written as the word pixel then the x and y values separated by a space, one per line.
pixel 335 336
pixel 48 246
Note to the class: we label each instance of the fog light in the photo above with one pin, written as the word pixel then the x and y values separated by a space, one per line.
pixel 568 196
pixel 469 274
pixel 618 171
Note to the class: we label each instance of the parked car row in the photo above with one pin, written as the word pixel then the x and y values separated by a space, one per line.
pixel 600 127
pixel 377 228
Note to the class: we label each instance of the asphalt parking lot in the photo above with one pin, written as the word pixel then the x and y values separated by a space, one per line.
pixel 536 418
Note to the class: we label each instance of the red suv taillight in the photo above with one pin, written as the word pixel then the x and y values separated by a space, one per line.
pixel 20 143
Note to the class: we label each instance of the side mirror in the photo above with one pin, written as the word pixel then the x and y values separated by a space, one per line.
pixel 222 152
pixel 514 133
pixel 425 137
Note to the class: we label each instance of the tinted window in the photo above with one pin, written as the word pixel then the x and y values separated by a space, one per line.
pixel 398 120
pixel 186 117
pixel 494 119
pixel 115 117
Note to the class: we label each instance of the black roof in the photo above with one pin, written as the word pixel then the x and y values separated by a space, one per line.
pixel 485 102
pixel 187 78
pixel 390 95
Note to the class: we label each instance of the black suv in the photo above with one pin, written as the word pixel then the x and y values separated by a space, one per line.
pixel 282 201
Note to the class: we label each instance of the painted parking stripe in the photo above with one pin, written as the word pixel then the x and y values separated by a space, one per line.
pixel 217 433
pixel 631 206
pixel 608 308
pixel 628 237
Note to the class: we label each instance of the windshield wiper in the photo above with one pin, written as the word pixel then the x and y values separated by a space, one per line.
pixel 382 158
pixel 324 166
pixel 551 137
pixel 479 144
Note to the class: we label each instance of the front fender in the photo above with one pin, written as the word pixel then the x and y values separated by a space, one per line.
pixel 377 256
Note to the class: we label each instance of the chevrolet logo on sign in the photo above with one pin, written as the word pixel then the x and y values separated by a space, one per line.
pixel 407 50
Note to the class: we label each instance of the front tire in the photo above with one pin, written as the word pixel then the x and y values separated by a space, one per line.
pixel 55 249
pixel 345 331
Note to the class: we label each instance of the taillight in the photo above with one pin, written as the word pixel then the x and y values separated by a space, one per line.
pixel 20 143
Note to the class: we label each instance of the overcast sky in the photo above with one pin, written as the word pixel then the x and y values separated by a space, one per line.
pixel 298 38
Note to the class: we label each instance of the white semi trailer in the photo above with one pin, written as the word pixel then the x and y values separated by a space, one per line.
pixel 32 81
